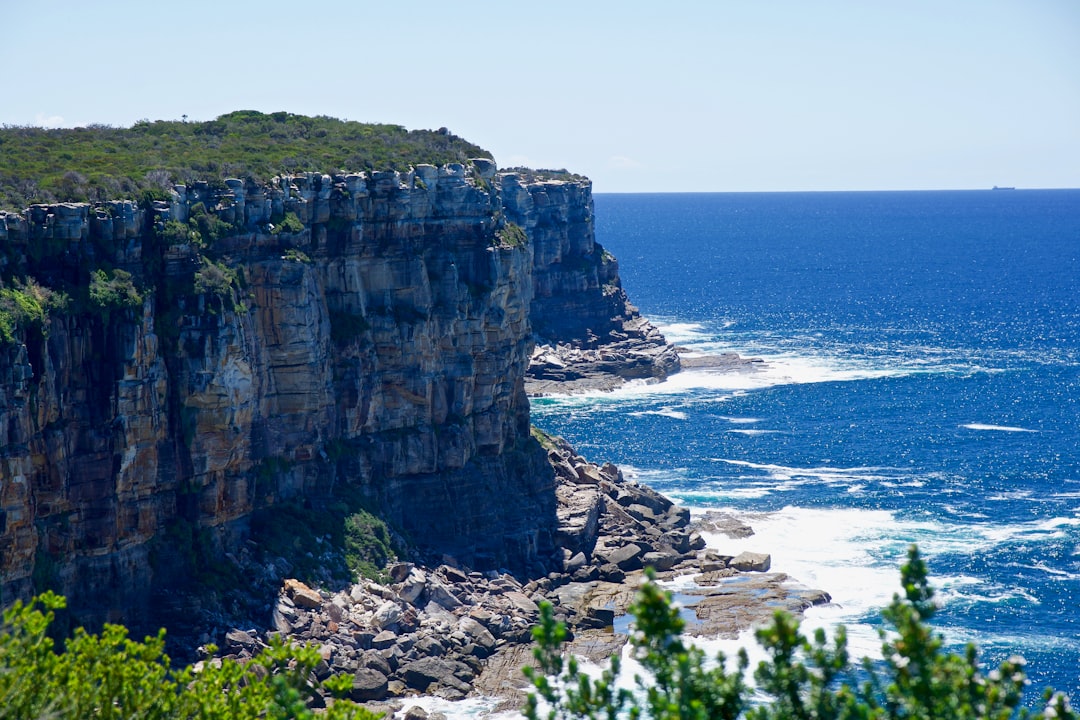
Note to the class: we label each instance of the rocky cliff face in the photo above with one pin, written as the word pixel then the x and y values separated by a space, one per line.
pixel 372 330
pixel 588 335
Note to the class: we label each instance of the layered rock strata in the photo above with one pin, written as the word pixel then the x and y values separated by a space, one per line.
pixel 588 334
pixel 240 345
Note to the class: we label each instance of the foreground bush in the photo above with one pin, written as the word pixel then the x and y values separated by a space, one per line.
pixel 916 680
pixel 114 677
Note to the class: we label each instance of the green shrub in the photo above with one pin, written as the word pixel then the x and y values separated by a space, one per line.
pixel 216 279
pixel 113 290
pixel 337 539
pixel 367 545
pixel 800 680
pixel 113 677
pixel 294 255
pixel 512 235
pixel 289 225
pixel 175 232
pixel 141 162
pixel 210 227
pixel 23 306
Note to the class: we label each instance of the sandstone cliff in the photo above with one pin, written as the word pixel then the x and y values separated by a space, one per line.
pixel 588 335
pixel 372 330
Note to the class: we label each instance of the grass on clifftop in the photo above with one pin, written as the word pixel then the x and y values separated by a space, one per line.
pixel 100 162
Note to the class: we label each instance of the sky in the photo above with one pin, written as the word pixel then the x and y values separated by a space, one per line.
pixel 673 96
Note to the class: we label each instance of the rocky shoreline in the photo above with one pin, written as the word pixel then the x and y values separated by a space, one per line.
pixel 451 632
pixel 563 369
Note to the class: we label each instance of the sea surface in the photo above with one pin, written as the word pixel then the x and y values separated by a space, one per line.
pixel 920 384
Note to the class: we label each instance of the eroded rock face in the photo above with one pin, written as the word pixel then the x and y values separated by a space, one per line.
pixel 383 345
pixel 588 335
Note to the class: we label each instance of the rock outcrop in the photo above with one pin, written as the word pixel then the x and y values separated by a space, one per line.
pixel 588 335
pixel 450 631
pixel 371 329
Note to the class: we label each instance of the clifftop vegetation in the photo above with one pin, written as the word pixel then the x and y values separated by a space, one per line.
pixel 544 174
pixel 100 162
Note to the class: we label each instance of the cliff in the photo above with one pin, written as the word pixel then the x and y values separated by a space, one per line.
pixel 168 368
pixel 588 335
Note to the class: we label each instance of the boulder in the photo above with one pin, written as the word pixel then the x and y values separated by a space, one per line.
pixel 413 585
pixel 441 595
pixel 302 595
pixel 627 557
pixel 368 684
pixel 422 674
pixel 384 640
pixel 236 640
pixel 751 562
pixel 588 474
pixel 659 560
pixel 478 634
pixel 522 604
pixel 387 614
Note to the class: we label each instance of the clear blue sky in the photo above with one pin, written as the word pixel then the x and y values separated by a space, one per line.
pixel 721 95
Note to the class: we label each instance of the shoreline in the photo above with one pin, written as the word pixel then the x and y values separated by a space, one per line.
pixel 452 633
pixel 566 370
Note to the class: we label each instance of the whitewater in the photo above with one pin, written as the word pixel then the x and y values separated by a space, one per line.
pixel 919 382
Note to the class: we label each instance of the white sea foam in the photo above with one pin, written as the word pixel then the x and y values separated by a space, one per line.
pixel 663 412
pixel 824 473
pixel 997 428
pixel 854 555
pixel 468 709
pixel 681 332
pixel 737 431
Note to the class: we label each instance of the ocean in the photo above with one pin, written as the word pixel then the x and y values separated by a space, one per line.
pixel 920 384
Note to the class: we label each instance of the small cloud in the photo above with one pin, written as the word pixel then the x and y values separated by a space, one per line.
pixel 49 121
pixel 621 162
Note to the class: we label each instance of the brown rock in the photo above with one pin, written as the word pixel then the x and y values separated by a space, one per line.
pixel 302 595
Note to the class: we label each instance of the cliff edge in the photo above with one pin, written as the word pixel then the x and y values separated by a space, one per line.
pixel 169 367
pixel 588 335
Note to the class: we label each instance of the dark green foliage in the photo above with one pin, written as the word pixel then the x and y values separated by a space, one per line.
pixel 335 541
pixel 294 255
pixel 24 306
pixel 346 326
pixel 210 227
pixel 542 174
pixel 113 290
pixel 107 163
pixel 175 232
pixel 216 279
pixel 800 680
pixel 113 677
pixel 511 235
pixel 289 224
pixel 367 544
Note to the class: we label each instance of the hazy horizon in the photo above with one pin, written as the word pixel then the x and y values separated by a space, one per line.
pixel 698 96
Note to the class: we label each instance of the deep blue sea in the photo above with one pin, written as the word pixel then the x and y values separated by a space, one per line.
pixel 921 383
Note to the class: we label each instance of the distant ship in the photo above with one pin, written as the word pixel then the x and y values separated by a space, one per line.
pixel 998 187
